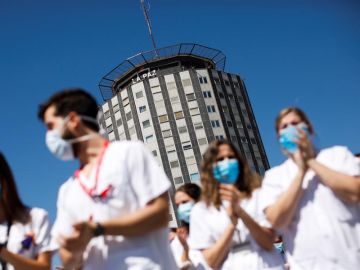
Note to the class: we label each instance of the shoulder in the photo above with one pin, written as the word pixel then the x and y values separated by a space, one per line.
pixel 38 215
pixel 126 148
pixel 276 171
pixel 334 150
pixel 200 208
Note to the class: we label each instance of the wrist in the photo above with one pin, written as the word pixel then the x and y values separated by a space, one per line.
pixel 311 161
pixel 97 229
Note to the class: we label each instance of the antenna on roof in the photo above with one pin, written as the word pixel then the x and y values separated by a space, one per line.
pixel 147 18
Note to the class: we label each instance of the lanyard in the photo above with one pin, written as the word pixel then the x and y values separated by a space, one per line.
pixel 3 263
pixel 91 191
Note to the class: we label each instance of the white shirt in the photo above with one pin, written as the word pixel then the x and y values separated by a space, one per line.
pixel 38 226
pixel 325 231
pixel 207 225
pixel 136 179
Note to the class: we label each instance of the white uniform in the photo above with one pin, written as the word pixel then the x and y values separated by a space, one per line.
pixel 207 225
pixel 325 231
pixel 38 227
pixel 136 179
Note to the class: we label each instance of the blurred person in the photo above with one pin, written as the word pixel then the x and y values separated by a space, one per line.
pixel 227 225
pixel 112 213
pixel 313 198
pixel 24 231
pixel 185 198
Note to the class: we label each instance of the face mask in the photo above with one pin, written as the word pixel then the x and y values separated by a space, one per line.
pixel 226 171
pixel 184 211
pixel 62 148
pixel 279 247
pixel 289 135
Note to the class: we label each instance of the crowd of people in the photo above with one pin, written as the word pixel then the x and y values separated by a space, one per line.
pixel 112 213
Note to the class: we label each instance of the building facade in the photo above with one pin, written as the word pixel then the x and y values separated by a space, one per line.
pixel 178 100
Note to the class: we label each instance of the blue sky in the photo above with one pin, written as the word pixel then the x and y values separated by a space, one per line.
pixel 303 53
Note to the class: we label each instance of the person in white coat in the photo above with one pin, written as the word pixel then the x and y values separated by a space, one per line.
pixel 227 225
pixel 313 198
pixel 112 213
pixel 24 231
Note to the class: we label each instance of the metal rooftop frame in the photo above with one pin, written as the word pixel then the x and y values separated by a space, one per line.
pixel 214 56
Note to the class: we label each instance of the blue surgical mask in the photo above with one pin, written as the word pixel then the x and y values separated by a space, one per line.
pixel 226 171
pixel 289 135
pixel 184 211
pixel 62 148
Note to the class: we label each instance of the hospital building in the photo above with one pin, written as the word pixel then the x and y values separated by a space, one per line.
pixel 177 100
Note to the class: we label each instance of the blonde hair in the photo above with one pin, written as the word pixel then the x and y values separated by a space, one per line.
pixel 247 180
pixel 298 112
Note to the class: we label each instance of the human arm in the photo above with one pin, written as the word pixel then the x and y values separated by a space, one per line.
pixel 346 187
pixel 41 262
pixel 262 235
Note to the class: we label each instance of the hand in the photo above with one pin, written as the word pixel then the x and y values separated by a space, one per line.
pixel 84 232
pixel 231 194
pixel 182 234
pixel 305 146
pixel 299 160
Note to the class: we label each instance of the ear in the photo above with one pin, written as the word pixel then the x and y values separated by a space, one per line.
pixel 74 120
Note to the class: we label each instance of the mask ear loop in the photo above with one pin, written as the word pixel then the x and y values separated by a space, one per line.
pixel 85 137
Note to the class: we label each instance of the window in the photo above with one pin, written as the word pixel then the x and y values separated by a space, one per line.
pixel 167 133
pixel 119 122
pixel 163 118
pixel 187 146
pixel 215 123
pixel 106 114
pixel 207 94
pixel 125 101
pixel 190 97
pixel 174 164
pixel 178 180
pixel 231 96
pixel 236 85
pixel 253 141
pixel 229 123
pixel 198 125
pixel 225 109
pixel 128 116
pixel 248 126
pixel 221 95
pixel 195 177
pixel 109 129
pixel 154 152
pixel 155 89
pixel 202 80
pixel 179 115
pixel 142 109
pixel 149 138
pixel 171 85
pixel 194 111
pixel 182 129
pixel 217 81
pixel 116 108
pixel 139 94
pixel 210 108
pixel 146 123
pixel 243 139
pixel 202 141
pixel 174 100
pixel 227 83
pixel 219 137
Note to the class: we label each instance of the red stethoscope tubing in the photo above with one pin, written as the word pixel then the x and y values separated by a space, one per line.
pixel 90 191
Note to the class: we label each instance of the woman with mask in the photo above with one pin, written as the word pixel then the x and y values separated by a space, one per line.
pixel 24 231
pixel 313 198
pixel 185 198
pixel 226 225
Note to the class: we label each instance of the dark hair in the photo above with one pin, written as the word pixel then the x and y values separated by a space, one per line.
pixel 192 190
pixel 246 182
pixel 357 155
pixel 72 100
pixel 14 208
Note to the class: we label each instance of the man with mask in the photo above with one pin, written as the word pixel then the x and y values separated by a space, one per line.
pixel 112 213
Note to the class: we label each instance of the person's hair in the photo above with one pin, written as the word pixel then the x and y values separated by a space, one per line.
pixel 193 190
pixel 298 112
pixel 72 100
pixel 247 180
pixel 357 155
pixel 14 209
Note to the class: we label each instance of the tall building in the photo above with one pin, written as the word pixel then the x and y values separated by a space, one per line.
pixel 177 100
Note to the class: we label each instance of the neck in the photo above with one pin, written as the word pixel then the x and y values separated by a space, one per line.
pixel 89 151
